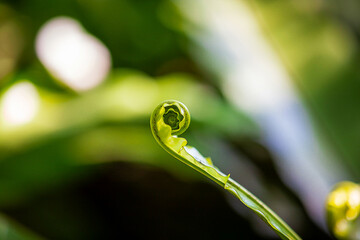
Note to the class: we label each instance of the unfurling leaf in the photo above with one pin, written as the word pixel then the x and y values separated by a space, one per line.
pixel 171 118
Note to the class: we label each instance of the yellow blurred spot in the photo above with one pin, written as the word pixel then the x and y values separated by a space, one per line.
pixel 354 197
pixel 341 228
pixel 351 214
pixel 338 198
pixel 343 209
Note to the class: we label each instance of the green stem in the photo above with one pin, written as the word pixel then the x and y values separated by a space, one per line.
pixel 269 216
pixel 172 117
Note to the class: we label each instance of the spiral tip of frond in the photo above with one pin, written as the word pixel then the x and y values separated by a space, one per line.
pixel 174 114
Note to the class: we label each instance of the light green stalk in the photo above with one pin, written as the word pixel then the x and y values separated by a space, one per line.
pixel 172 118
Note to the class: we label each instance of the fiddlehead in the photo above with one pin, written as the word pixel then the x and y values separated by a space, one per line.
pixel 176 116
pixel 171 118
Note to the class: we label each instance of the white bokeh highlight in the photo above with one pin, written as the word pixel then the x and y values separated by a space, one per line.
pixel 20 104
pixel 71 55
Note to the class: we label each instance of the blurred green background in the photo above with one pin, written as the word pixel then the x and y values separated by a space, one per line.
pixel 78 83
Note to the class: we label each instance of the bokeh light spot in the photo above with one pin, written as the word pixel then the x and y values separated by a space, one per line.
pixel 20 104
pixel 71 55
